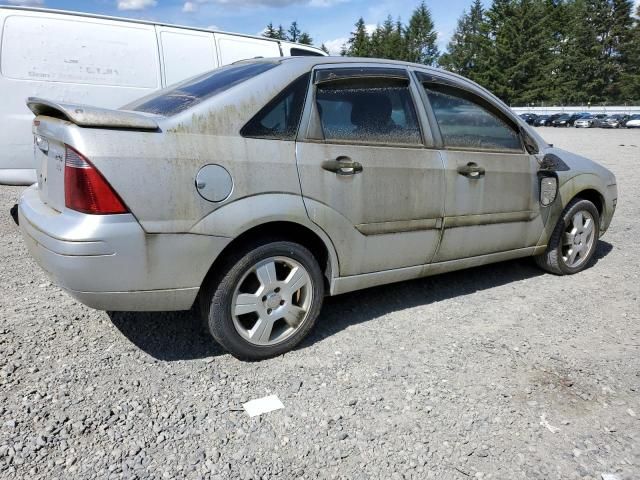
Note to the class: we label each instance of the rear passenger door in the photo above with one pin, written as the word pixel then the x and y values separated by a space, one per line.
pixel 491 201
pixel 367 178
pixel 186 53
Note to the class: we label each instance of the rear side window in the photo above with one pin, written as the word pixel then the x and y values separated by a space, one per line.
pixel 368 110
pixel 191 92
pixel 470 123
pixel 279 120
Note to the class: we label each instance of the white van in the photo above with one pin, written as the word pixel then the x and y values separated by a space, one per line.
pixel 102 61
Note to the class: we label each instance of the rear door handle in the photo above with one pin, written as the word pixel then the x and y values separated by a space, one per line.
pixel 471 170
pixel 342 166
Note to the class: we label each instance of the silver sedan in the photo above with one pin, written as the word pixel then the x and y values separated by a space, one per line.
pixel 256 189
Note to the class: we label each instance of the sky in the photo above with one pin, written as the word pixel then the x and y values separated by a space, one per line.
pixel 327 21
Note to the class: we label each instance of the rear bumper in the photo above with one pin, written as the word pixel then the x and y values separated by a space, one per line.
pixel 110 263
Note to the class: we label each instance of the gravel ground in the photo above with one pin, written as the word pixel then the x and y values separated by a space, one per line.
pixel 497 372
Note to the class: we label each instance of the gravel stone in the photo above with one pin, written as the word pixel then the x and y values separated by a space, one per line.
pixel 445 377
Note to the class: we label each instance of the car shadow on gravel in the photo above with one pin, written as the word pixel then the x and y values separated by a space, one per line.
pixel 343 311
pixel 172 336
pixel 167 336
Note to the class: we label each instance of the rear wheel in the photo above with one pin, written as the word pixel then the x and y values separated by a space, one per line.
pixel 265 301
pixel 574 239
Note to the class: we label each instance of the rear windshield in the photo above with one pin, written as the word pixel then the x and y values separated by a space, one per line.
pixel 178 98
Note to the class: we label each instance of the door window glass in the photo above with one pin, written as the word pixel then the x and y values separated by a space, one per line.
pixel 368 111
pixel 467 122
pixel 280 118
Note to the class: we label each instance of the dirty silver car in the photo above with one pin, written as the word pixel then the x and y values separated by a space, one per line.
pixel 256 189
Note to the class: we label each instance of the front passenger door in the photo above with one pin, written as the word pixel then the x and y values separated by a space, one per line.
pixel 491 201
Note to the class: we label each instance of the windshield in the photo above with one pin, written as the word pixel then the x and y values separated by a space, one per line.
pixel 182 96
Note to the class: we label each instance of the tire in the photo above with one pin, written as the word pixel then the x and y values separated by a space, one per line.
pixel 242 304
pixel 568 242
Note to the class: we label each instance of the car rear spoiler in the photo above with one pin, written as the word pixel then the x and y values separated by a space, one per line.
pixel 88 116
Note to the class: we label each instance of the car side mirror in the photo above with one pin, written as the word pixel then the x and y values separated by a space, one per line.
pixel 529 143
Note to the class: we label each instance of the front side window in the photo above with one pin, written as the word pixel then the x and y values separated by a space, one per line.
pixel 368 110
pixel 468 122
pixel 191 92
pixel 280 118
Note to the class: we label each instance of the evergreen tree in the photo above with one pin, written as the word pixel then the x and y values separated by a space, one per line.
pixel 281 34
pixel 589 64
pixel 630 59
pixel 469 44
pixel 270 31
pixel 305 39
pixel 324 48
pixel 294 32
pixel 421 37
pixel 359 43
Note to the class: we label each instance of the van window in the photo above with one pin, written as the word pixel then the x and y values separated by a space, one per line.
pixel 171 101
pixel 279 120
pixel 301 52
pixel 79 51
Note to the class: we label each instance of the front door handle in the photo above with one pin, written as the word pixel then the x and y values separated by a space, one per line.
pixel 342 166
pixel 471 170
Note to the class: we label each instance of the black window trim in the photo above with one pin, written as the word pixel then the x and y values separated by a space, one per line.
pixel 425 79
pixel 271 103
pixel 366 71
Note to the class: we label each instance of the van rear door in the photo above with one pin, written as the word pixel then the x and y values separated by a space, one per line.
pixel 185 53
pixel 232 48
pixel 67 58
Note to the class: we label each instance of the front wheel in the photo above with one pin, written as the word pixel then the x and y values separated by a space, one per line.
pixel 265 300
pixel 574 239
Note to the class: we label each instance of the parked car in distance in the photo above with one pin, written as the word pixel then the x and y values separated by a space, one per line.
pixel 552 118
pixel 541 120
pixel 260 187
pixel 103 61
pixel 561 121
pixel 587 121
pixel 599 119
pixel 530 118
pixel 633 122
pixel 614 121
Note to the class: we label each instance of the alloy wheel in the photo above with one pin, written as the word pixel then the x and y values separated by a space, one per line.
pixel 579 239
pixel 272 301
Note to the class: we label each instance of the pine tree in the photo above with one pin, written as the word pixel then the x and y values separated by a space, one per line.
pixel 305 39
pixel 293 34
pixel 324 48
pixel 469 44
pixel 281 34
pixel 421 37
pixel 270 31
pixel 630 59
pixel 359 43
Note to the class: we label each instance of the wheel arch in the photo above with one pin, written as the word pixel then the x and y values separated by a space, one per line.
pixel 320 247
pixel 594 196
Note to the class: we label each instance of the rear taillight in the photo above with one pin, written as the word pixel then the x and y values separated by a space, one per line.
pixel 86 190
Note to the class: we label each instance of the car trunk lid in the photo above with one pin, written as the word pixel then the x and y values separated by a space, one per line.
pixel 53 132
